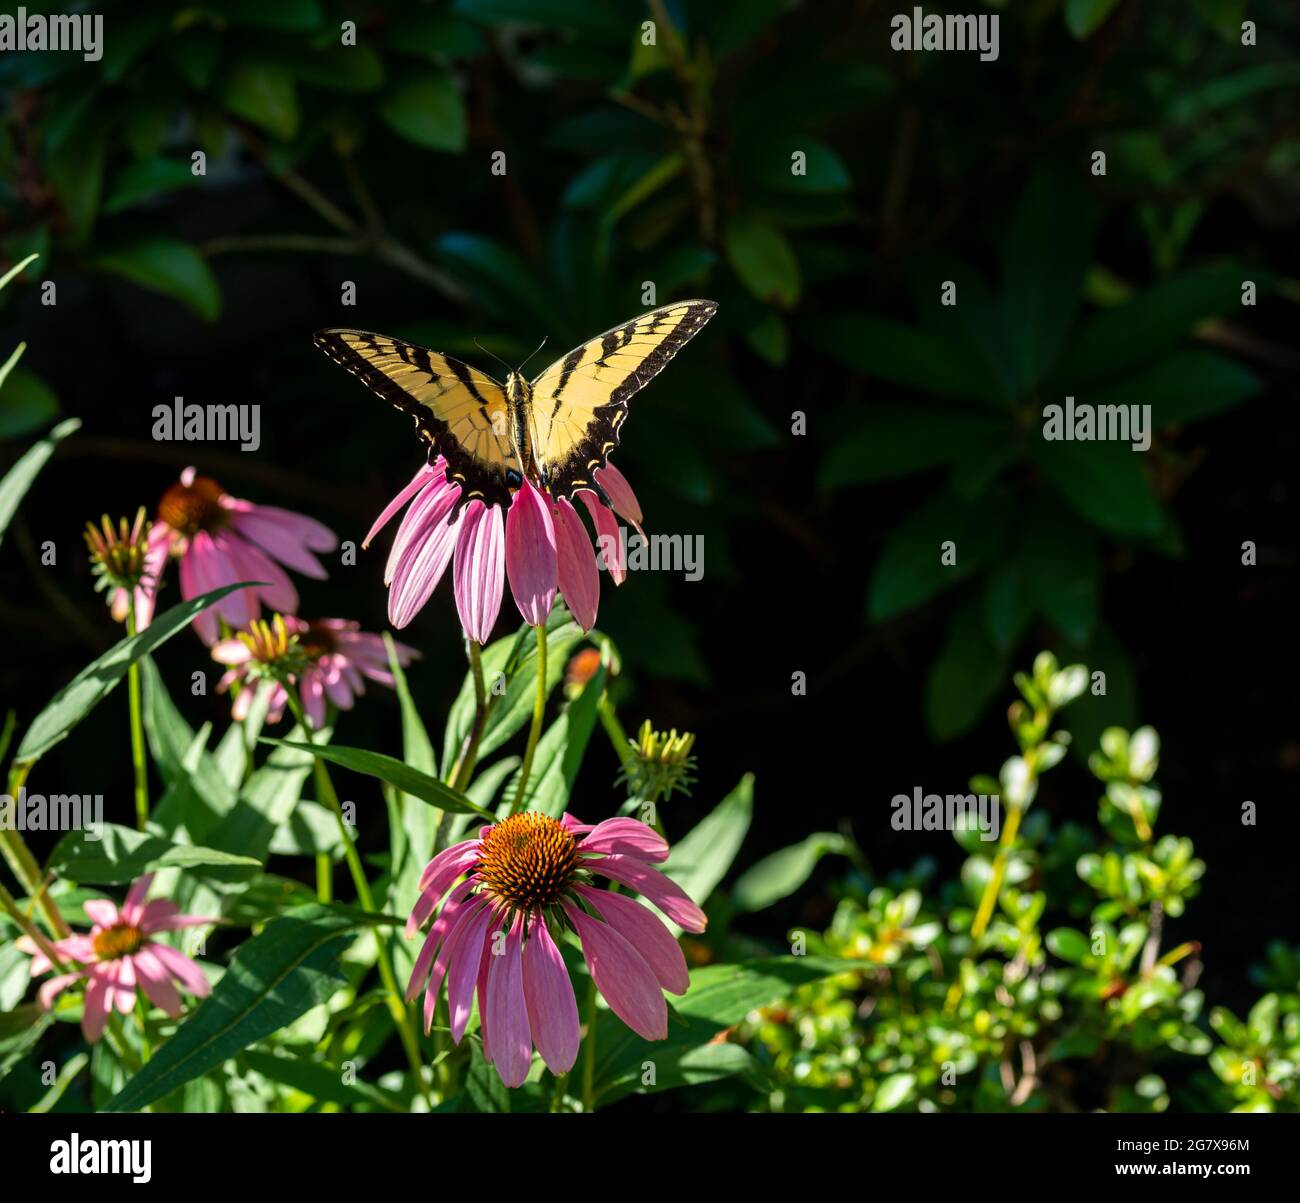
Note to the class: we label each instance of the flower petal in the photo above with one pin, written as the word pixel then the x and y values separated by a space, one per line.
pixel 665 893
pixel 609 541
pixel 156 982
pixel 627 835
pixel 182 969
pixel 95 1009
pixel 579 578
pixel 531 555
pixel 548 992
pixel 479 569
pixel 622 976
pixel 464 950
pixel 512 1045
pixel 645 933
pixel 416 483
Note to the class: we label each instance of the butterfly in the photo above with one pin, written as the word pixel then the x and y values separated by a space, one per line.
pixel 556 431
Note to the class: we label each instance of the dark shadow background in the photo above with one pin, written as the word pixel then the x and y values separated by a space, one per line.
pixel 909 156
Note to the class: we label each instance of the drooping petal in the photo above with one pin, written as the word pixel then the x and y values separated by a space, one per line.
pixel 548 992
pixel 609 541
pixel 627 835
pixel 313 534
pixel 574 825
pixel 182 969
pixel 97 1005
pixel 620 494
pixel 312 692
pixel 54 987
pixel 427 512
pixel 161 915
pixel 416 483
pixel 418 569
pixel 433 941
pixel 463 949
pixel 479 569
pixel 512 1048
pixel 531 554
pixel 578 576
pixel 665 893
pixel 156 982
pixel 123 984
pixel 621 975
pixel 645 933
pixel 286 536
pixel 253 564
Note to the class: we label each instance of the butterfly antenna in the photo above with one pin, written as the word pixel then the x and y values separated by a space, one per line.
pixel 494 355
pixel 539 346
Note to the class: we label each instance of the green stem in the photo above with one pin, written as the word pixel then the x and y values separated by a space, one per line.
pixel 589 1052
pixel 614 729
pixel 393 996
pixel 324 877
pixel 137 736
pixel 465 763
pixel 9 905
pixel 24 865
pixel 534 731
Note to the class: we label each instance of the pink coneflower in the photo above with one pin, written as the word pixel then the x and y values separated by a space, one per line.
pixel 540 545
pixel 220 539
pixel 325 661
pixel 117 957
pixel 524 878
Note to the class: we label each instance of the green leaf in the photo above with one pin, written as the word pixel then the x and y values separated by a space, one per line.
pixel 701 858
pixel 145 179
pixel 1068 944
pixel 900 354
pixel 123 854
pixel 883 442
pixel 1151 322
pixel 1104 482
pixel 965 678
pixel 165 265
pixel 28 403
pixel 1185 386
pixel 322 1082
pixel 76 173
pixel 1085 17
pixel 291 16
pixel 779 875
pixel 763 259
pixel 560 751
pixel 425 107
pixel 1063 570
pixel 893 1092
pixel 290 967
pixel 512 660
pixel 268 799
pixel 719 997
pixel 1047 255
pixel 95 682
pixel 498 278
pixel 19 478
pixel 263 93
pixel 395 772
pixel 911 566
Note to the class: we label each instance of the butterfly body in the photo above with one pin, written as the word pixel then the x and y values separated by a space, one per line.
pixel 556 431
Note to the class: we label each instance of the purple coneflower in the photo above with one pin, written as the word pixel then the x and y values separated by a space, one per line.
pixel 325 661
pixel 117 957
pixel 540 546
pixel 525 877
pixel 220 539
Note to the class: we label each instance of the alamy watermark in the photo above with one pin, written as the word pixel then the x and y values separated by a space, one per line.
pixel 55 812
pixel 25 31
pixel 653 553
pixel 919 811
pixel 920 30
pixel 1085 423
pixel 194 423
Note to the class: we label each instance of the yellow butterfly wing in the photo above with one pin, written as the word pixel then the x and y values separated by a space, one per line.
pixel 460 411
pixel 579 402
